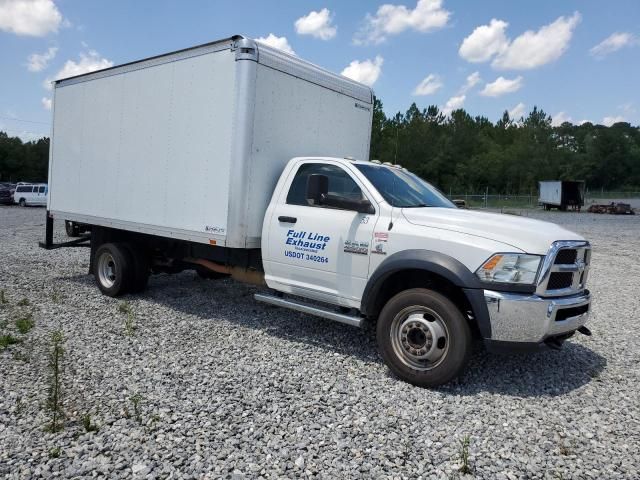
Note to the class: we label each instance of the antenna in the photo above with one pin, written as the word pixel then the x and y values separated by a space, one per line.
pixel 393 199
pixel 395 158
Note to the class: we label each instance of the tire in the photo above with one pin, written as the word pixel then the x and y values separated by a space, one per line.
pixel 423 338
pixel 22 202
pixel 113 269
pixel 71 228
pixel 140 268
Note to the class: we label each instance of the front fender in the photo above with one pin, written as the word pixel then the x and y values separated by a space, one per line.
pixel 433 262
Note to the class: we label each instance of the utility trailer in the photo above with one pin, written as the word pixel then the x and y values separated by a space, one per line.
pixel 561 194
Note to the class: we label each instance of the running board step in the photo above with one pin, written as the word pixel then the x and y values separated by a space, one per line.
pixel 310 309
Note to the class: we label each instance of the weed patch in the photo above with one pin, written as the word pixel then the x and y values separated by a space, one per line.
pixel 88 425
pixel 54 400
pixel 6 340
pixel 26 323
pixel 465 467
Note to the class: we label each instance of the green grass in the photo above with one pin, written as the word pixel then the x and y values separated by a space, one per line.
pixel 6 340
pixel 24 302
pixel 26 323
pixel 465 467
pixel 129 321
pixel 3 298
pixel 54 399
pixel 87 424
pixel 136 399
pixel 125 307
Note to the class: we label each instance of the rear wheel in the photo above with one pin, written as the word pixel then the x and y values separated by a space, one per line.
pixel 113 269
pixel 71 228
pixel 140 268
pixel 423 338
pixel 22 202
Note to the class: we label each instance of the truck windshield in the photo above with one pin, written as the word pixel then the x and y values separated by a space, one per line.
pixel 403 189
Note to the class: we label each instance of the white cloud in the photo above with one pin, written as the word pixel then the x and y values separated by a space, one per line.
pixel 46 103
pixel 612 43
pixel 582 122
pixel 89 62
pixel 485 42
pixel 317 24
pixel 367 71
pixel 559 118
pixel 517 112
pixel 453 103
pixel 608 121
pixel 472 81
pixel 530 50
pixel 457 101
pixel 534 49
pixel 430 85
pixel 39 61
pixel 502 86
pixel 394 19
pixel 29 17
pixel 281 43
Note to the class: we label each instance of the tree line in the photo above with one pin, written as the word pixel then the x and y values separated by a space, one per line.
pixel 23 161
pixel 456 152
pixel 460 153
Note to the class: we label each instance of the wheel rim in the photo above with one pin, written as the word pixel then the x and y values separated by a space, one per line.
pixel 107 270
pixel 420 338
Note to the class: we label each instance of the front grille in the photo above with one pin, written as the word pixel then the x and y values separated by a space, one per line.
pixel 558 280
pixel 565 313
pixel 565 269
pixel 566 257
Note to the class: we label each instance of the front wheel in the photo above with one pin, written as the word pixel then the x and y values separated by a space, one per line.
pixel 423 338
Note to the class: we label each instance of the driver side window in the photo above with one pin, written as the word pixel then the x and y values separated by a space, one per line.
pixel 340 183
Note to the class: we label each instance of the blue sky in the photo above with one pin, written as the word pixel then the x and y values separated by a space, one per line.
pixel 577 59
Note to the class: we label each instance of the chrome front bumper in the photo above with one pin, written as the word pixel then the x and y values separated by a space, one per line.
pixel 531 318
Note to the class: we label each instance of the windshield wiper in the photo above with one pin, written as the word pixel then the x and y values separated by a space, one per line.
pixel 419 205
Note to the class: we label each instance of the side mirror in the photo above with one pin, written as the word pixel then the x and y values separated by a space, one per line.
pixel 345 203
pixel 317 188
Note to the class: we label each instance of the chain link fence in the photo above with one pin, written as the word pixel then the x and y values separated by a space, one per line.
pixel 486 200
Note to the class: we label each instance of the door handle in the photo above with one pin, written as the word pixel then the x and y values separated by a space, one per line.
pixel 287 219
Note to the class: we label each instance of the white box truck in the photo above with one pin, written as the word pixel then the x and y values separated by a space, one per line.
pixel 235 159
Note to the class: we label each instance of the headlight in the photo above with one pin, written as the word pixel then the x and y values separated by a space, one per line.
pixel 510 268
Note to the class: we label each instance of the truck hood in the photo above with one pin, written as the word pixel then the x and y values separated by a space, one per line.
pixel 528 235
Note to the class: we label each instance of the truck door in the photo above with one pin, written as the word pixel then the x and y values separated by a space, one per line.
pixel 318 251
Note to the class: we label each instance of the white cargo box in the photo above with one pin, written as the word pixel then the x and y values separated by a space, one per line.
pixel 550 192
pixel 190 144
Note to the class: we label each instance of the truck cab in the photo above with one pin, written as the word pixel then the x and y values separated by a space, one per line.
pixel 379 240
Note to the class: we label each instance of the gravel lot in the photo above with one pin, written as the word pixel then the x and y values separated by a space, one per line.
pixel 229 388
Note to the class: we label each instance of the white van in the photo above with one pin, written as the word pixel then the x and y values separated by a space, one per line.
pixel 31 194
